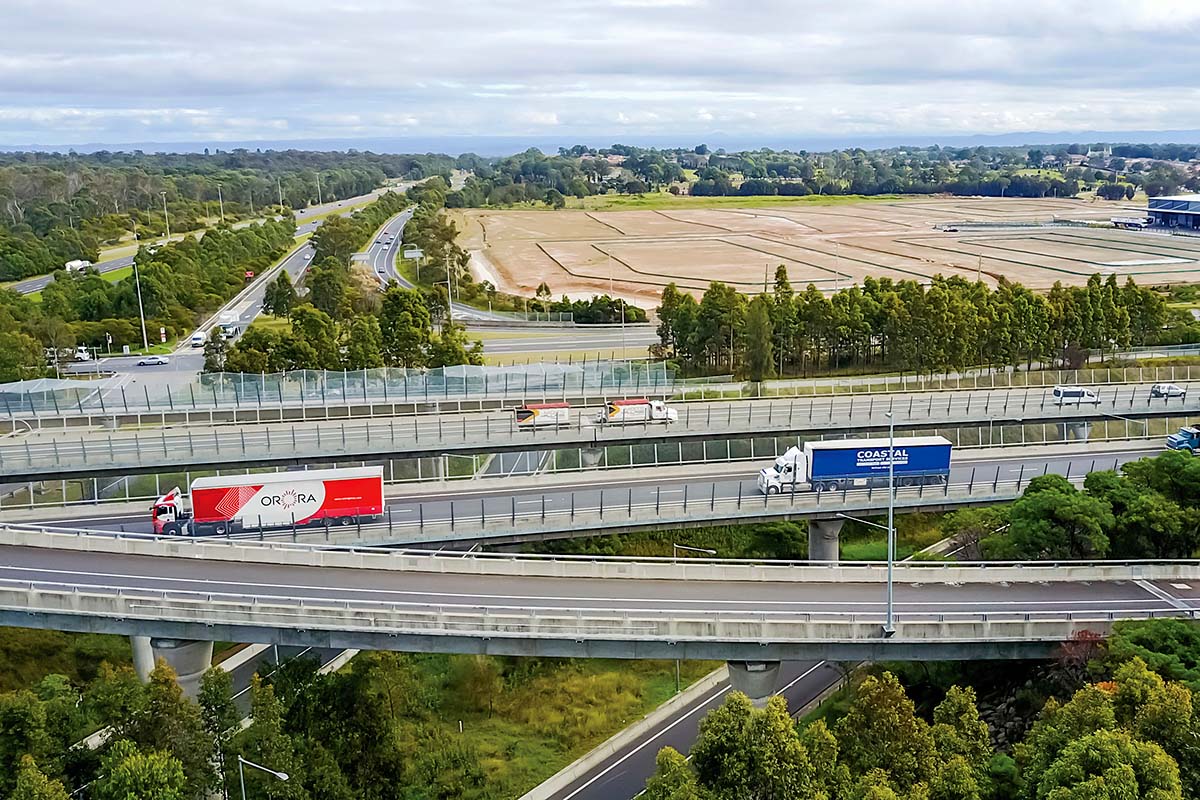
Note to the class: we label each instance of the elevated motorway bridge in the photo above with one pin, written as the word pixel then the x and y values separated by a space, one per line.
pixel 569 607
pixel 36 454
pixel 498 512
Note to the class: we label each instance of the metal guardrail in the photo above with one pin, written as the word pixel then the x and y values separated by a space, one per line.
pixel 134 452
pixel 658 568
pixel 313 394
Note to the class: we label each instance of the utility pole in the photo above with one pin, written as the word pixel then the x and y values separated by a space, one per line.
pixel 137 281
pixel 890 627
pixel 221 201
pixel 252 201
pixel 166 216
pixel 279 188
pixel 318 188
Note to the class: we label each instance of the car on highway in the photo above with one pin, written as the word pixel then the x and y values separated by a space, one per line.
pixel 1074 395
pixel 153 361
pixel 1166 390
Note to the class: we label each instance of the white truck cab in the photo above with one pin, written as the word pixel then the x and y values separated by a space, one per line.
pixel 789 471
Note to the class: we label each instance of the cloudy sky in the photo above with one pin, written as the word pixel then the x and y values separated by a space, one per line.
pixel 80 71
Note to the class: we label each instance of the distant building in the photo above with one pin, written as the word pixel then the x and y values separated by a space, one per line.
pixel 1177 211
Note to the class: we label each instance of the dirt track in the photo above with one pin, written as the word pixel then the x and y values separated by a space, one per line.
pixel 639 252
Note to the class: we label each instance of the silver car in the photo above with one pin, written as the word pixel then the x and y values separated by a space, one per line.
pixel 1167 390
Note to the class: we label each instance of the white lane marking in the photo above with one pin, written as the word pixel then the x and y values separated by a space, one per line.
pixel 1184 586
pixel 938 602
pixel 693 710
pixel 1166 597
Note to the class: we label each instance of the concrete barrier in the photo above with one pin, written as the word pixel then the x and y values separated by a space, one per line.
pixel 597 567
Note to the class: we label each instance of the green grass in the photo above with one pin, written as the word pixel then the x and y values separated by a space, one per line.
pixel 549 713
pixel 666 200
pixel 27 656
pixel 267 322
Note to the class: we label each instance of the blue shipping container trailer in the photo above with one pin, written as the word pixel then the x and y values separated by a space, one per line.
pixel 859 463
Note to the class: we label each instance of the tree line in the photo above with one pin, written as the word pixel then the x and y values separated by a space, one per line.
pixel 56 208
pixel 181 283
pixel 951 324
pixel 1128 733
pixel 1149 510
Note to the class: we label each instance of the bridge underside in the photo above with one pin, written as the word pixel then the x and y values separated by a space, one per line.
pixel 894 649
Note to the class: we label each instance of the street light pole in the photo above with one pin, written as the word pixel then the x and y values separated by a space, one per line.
pixel 137 281
pixel 221 203
pixel 279 188
pixel 166 216
pixel 889 627
pixel 283 776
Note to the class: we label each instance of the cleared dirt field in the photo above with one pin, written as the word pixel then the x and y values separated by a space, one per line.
pixel 636 253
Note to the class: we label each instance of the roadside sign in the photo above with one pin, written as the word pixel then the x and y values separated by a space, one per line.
pixel 125 349
pixel 414 254
pixel 162 334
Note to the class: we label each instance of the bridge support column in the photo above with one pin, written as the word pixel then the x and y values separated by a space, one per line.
pixel 190 659
pixel 590 456
pixel 823 539
pixel 1076 431
pixel 143 656
pixel 755 679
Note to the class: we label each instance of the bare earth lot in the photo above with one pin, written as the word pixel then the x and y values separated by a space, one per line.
pixel 580 253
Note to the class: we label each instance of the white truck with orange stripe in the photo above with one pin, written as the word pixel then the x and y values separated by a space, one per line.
pixel 229 503
pixel 621 412
pixel 543 414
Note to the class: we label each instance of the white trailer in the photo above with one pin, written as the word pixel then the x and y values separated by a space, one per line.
pixel 620 412
pixel 543 414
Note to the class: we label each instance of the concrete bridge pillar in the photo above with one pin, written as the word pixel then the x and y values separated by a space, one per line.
pixel 755 679
pixel 823 539
pixel 1075 431
pixel 143 656
pixel 590 456
pixel 190 659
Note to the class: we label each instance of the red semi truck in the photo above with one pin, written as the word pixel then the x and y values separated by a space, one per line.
pixel 272 500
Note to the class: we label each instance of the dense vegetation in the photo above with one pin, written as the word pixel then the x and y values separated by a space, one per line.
pixel 181 283
pixel 60 207
pixel 951 324
pixel 1129 732
pixel 388 728
pixel 1151 510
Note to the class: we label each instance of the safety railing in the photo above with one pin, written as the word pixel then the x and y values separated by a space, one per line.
pixel 30 456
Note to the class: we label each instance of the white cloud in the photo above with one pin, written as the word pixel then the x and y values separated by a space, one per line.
pixel 79 71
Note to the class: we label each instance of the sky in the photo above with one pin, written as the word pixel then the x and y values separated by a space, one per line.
pixel 80 71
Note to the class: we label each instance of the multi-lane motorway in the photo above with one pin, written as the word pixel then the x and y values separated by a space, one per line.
pixel 304 224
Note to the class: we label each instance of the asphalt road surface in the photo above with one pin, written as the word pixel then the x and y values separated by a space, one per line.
pixel 624 773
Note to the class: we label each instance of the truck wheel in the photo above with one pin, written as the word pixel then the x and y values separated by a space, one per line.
pixel 221 529
pixel 346 521
pixel 171 529
pixel 772 490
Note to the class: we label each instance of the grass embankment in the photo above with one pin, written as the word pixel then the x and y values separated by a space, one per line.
pixel 546 713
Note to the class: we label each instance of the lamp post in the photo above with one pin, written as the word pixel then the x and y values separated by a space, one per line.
pixel 889 627
pixel 283 776
pixel 166 217
pixel 221 203
pixel 137 282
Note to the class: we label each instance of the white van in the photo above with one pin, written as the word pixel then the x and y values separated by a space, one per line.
pixel 199 339
pixel 1074 395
